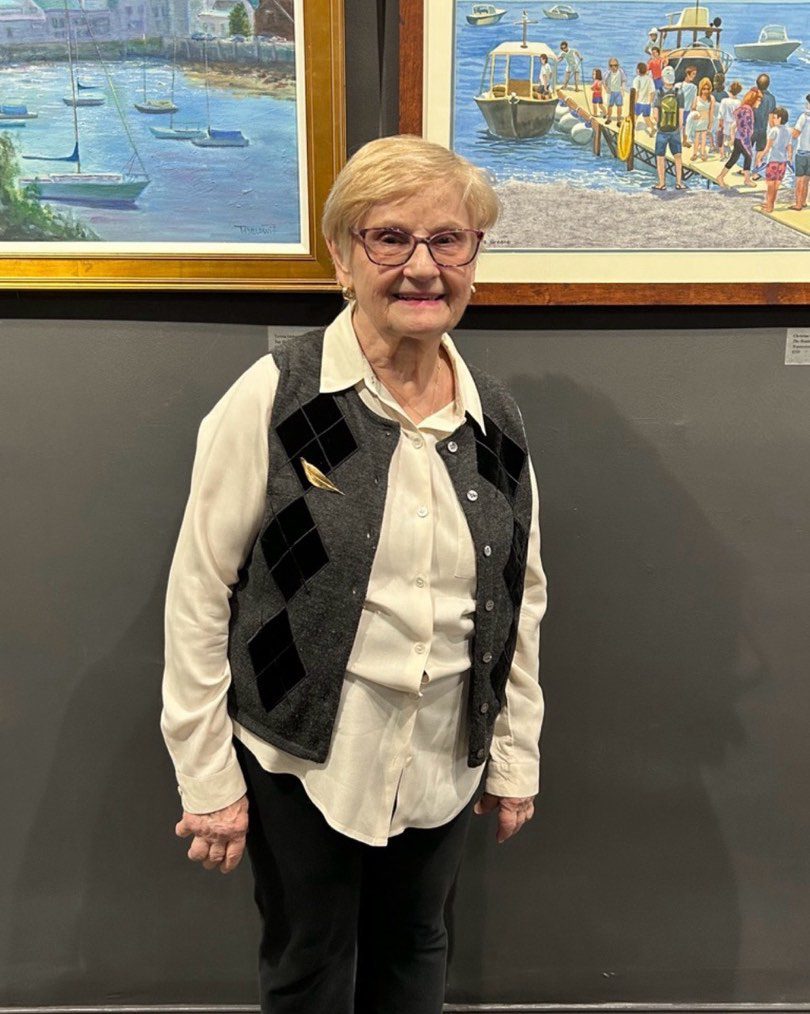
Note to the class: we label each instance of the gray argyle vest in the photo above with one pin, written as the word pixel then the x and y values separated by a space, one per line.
pixel 296 606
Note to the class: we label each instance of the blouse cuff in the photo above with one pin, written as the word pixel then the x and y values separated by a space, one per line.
pixel 515 780
pixel 212 792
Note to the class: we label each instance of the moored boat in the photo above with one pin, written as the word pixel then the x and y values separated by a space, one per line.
pixel 509 100
pixel 773 46
pixel 690 38
pixel 16 111
pixel 156 106
pixel 177 133
pixel 561 12
pixel 214 138
pixel 88 188
pixel 485 14
pixel 83 100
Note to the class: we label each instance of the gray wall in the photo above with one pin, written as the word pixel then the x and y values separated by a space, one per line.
pixel 668 860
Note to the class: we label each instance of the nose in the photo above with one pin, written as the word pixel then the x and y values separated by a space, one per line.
pixel 421 264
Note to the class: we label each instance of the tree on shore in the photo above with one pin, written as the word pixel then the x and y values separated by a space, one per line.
pixel 22 217
pixel 238 21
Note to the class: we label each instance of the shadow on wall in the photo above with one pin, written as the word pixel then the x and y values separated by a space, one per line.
pixel 622 888
pixel 107 909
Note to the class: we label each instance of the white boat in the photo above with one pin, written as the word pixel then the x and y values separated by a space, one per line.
pixel 485 14
pixel 83 100
pixel 690 38
pixel 178 133
pixel 509 98
pixel 773 46
pixel 154 106
pixel 561 12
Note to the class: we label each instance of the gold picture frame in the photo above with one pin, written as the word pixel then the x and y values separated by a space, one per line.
pixel 574 277
pixel 302 265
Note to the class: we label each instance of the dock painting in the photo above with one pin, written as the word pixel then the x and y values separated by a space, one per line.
pixel 152 127
pixel 541 99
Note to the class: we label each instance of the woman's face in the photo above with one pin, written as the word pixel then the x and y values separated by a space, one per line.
pixel 418 299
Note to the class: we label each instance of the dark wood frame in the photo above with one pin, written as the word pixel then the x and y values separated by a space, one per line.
pixel 325 116
pixel 411 76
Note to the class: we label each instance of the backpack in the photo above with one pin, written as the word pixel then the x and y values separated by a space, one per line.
pixel 668 112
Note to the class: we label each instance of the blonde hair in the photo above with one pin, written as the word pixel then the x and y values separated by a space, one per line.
pixel 704 84
pixel 393 168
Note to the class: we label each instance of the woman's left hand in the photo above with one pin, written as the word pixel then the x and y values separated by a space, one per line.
pixel 513 812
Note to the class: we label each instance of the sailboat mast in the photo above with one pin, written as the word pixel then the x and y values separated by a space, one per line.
pixel 143 65
pixel 73 90
pixel 207 97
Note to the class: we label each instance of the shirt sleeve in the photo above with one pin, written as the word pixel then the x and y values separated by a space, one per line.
pixel 221 521
pixel 514 757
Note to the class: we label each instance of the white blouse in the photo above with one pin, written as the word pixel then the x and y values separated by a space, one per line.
pixel 398 756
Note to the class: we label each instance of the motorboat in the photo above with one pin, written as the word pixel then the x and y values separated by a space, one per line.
pixel 691 38
pixel 509 98
pixel 485 14
pixel 773 46
pixel 561 12
pixel 15 111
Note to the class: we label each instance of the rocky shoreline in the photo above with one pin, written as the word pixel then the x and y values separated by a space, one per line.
pixel 252 79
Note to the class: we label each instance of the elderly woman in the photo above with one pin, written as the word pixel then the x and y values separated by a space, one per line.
pixel 354 605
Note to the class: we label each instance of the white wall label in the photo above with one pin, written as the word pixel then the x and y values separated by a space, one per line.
pixel 797 347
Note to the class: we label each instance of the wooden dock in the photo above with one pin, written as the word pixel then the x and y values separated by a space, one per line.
pixel 643 152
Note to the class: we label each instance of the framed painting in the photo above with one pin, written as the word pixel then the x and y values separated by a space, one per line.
pixel 564 105
pixel 182 145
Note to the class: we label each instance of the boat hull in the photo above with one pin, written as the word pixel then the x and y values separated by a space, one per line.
pixel 156 107
pixel 110 189
pixel 84 100
pixel 766 52
pixel 177 133
pixel 210 141
pixel 556 16
pixel 514 117
pixel 485 19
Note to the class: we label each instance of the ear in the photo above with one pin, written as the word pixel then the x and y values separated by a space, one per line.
pixel 342 269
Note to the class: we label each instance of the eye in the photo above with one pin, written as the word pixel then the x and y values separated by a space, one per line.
pixel 389 237
pixel 446 239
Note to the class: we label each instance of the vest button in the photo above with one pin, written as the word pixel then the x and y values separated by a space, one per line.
pixel 479 754
pixel 487 550
pixel 452 447
pixel 487 656
pixel 489 605
pixel 472 495
pixel 484 708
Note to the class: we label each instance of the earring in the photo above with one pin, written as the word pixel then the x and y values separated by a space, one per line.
pixel 348 293
pixel 472 290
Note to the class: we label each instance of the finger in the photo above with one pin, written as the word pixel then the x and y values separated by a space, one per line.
pixel 233 856
pixel 507 824
pixel 198 851
pixel 486 804
pixel 216 853
pixel 182 829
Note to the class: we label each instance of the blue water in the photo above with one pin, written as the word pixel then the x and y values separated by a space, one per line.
pixel 604 28
pixel 212 195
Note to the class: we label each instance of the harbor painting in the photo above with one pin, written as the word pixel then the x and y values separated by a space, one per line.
pixel 539 95
pixel 175 129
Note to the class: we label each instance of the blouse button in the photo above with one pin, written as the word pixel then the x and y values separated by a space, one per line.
pixel 472 495
pixel 452 447
pixel 489 605
pixel 487 550
pixel 479 754
pixel 484 708
pixel 487 656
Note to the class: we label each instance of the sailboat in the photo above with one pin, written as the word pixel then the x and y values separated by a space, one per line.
pixel 179 133
pixel 214 137
pixel 154 105
pixel 80 186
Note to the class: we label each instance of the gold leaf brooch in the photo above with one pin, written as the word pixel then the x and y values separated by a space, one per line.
pixel 318 479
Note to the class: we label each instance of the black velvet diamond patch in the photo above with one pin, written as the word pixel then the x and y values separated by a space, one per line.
pixel 275 660
pixel 293 548
pixel 500 459
pixel 318 433
pixel 514 571
pixel 500 671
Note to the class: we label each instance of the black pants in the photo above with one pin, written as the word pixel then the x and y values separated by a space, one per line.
pixel 736 151
pixel 348 928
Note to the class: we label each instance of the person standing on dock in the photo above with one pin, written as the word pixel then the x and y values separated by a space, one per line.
pixel 777 151
pixel 667 115
pixel 615 84
pixel 742 134
pixel 688 89
pixel 645 93
pixel 573 63
pixel 597 88
pixel 655 65
pixel 801 165
pixel 728 106
pixel 762 116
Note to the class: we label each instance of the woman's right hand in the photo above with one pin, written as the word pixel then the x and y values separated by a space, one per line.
pixel 219 837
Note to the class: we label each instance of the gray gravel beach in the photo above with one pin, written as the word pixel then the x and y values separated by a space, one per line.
pixel 560 216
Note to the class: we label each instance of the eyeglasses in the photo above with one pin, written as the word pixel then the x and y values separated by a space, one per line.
pixel 452 248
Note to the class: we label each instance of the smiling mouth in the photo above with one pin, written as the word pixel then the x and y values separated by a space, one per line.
pixel 420 297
